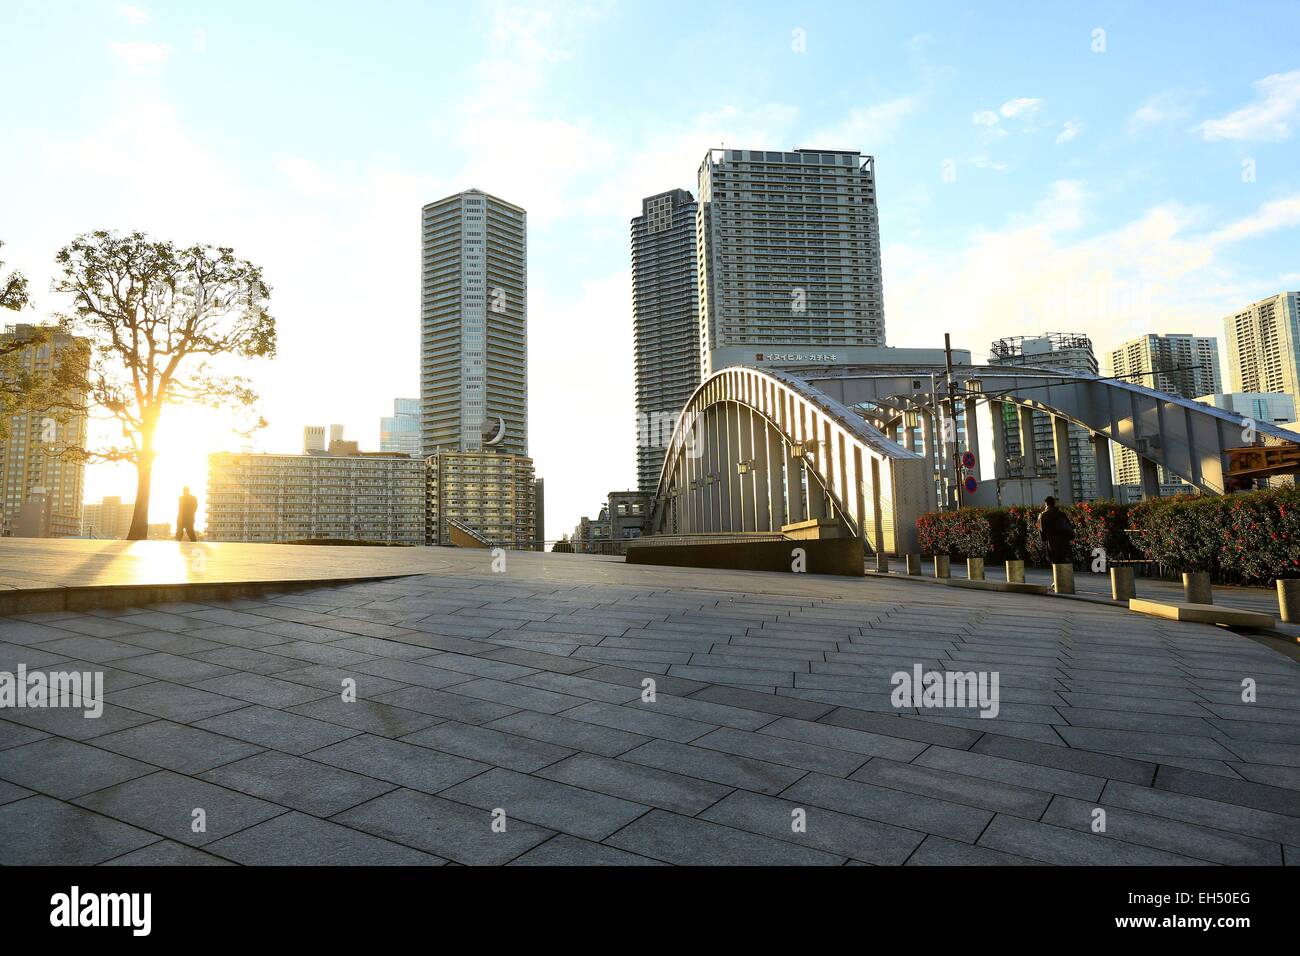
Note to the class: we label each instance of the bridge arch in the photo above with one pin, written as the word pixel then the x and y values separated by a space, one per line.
pixel 758 450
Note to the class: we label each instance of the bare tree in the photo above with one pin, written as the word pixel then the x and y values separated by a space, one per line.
pixel 160 320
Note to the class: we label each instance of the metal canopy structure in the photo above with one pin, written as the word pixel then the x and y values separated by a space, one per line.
pixel 760 450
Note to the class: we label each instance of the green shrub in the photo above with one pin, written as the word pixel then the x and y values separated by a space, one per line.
pixel 1249 537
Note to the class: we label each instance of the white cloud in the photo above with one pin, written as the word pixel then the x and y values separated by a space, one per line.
pixel 1069 130
pixel 1278 214
pixel 1271 117
pixel 866 128
pixel 1158 109
pixel 141 57
pixel 1022 106
pixel 1153 273
pixel 133 15
pixel 985 118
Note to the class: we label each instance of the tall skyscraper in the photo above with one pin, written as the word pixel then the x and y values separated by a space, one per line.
pixel 400 432
pixel 473 325
pixel 1264 346
pixel 788 254
pixel 34 463
pixel 665 324
pixel 1068 352
pixel 1177 363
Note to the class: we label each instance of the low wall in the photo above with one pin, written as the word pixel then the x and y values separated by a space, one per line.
pixel 826 556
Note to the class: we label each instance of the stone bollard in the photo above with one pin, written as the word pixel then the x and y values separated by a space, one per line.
pixel 975 569
pixel 913 564
pixel 1196 587
pixel 1288 600
pixel 942 566
pixel 882 563
pixel 1122 584
pixel 1015 572
pixel 1063 578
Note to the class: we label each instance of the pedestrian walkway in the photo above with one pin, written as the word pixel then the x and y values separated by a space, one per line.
pixel 575 709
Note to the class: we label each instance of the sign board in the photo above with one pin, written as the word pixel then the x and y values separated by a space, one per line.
pixel 970 484
pixel 968 459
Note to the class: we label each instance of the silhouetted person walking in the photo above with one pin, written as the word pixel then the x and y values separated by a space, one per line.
pixel 1057 531
pixel 189 506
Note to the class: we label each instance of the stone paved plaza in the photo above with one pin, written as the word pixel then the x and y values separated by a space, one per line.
pixel 520 693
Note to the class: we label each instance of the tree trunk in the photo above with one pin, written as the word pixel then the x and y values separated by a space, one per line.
pixel 143 476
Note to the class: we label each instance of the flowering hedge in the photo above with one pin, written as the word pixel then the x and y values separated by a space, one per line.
pixel 1246 537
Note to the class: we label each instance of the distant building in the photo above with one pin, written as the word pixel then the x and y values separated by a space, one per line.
pixel 486 495
pixel 665 324
pixel 313 439
pixel 539 514
pixel 622 517
pixel 109 518
pixel 1180 364
pixel 788 252
pixel 1264 346
pixel 1067 352
pixel 353 497
pixel 592 536
pixel 400 431
pixel 35 463
pixel 474 324
pixel 1276 408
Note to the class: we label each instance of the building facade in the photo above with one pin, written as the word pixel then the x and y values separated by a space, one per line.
pixel 357 497
pixel 665 324
pixel 487 494
pixel 107 518
pixel 35 459
pixel 400 432
pixel 1180 364
pixel 1264 346
pixel 473 325
pixel 1068 352
pixel 788 252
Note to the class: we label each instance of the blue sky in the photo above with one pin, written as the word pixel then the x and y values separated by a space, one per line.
pixel 1034 174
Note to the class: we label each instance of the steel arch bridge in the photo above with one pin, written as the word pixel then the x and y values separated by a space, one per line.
pixel 757 450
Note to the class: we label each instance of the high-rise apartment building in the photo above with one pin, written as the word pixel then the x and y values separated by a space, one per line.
pixel 313 439
pixel 665 324
pixel 1264 346
pixel 473 325
pixel 483 496
pixel 400 432
pixel 1180 364
pixel 34 447
pixel 788 249
pixel 1067 352
pixel 108 518
pixel 353 497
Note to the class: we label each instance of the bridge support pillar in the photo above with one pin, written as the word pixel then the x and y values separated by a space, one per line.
pixel 1064 467
pixel 1150 478
pixel 997 414
pixel 1105 483
pixel 1028 446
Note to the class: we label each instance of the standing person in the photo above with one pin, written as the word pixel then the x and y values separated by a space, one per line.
pixel 1057 531
pixel 188 507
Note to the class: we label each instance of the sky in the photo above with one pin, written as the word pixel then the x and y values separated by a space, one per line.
pixel 1106 168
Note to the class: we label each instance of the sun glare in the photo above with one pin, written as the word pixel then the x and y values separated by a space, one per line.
pixel 186 436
